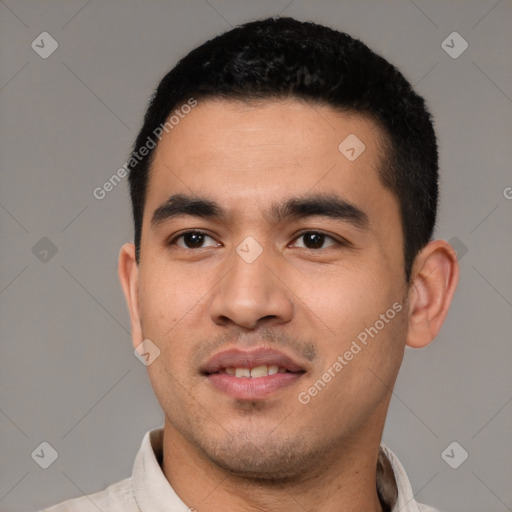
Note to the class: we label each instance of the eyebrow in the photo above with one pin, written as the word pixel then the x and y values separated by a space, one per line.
pixel 181 204
pixel 323 205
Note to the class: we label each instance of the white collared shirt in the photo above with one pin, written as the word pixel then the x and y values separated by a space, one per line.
pixel 148 490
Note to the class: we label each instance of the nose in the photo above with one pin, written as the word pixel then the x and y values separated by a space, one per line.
pixel 252 294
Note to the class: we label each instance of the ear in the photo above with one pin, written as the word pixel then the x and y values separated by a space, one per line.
pixel 128 272
pixel 434 278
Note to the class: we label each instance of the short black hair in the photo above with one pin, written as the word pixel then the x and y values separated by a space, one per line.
pixel 284 58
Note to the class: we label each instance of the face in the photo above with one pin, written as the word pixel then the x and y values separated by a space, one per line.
pixel 264 246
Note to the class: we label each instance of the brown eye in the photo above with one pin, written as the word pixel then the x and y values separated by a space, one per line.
pixel 194 240
pixel 315 240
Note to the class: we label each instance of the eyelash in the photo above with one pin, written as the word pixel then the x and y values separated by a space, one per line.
pixel 336 242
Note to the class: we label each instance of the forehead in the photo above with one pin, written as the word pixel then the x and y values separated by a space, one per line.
pixel 247 152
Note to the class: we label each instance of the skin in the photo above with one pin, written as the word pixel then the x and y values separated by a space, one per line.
pixel 311 303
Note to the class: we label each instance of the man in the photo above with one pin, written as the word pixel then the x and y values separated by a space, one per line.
pixel 284 189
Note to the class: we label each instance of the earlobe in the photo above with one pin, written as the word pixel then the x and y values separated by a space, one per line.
pixel 128 272
pixel 434 280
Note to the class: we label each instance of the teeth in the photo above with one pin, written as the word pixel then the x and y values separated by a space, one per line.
pixel 272 370
pixel 257 371
pixel 242 372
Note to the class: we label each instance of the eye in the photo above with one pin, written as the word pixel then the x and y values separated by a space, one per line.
pixel 194 240
pixel 315 240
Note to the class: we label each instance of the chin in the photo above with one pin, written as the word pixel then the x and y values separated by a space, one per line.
pixel 278 461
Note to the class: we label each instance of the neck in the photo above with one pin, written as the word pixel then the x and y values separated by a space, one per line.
pixel 344 479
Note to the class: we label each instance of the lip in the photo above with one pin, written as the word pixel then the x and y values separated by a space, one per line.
pixel 248 388
pixel 236 358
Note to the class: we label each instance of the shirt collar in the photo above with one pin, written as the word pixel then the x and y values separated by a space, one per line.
pixel 154 493
pixel 405 501
pixel 152 490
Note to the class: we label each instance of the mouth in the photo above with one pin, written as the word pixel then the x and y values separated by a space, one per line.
pixel 251 375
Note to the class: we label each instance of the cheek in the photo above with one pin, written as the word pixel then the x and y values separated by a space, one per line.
pixel 343 298
pixel 164 301
pixel 354 306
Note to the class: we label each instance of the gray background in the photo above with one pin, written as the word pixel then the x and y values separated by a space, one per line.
pixel 67 371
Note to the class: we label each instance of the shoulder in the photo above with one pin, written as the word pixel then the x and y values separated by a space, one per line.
pixel 118 496
pixel 426 508
pixel 405 501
